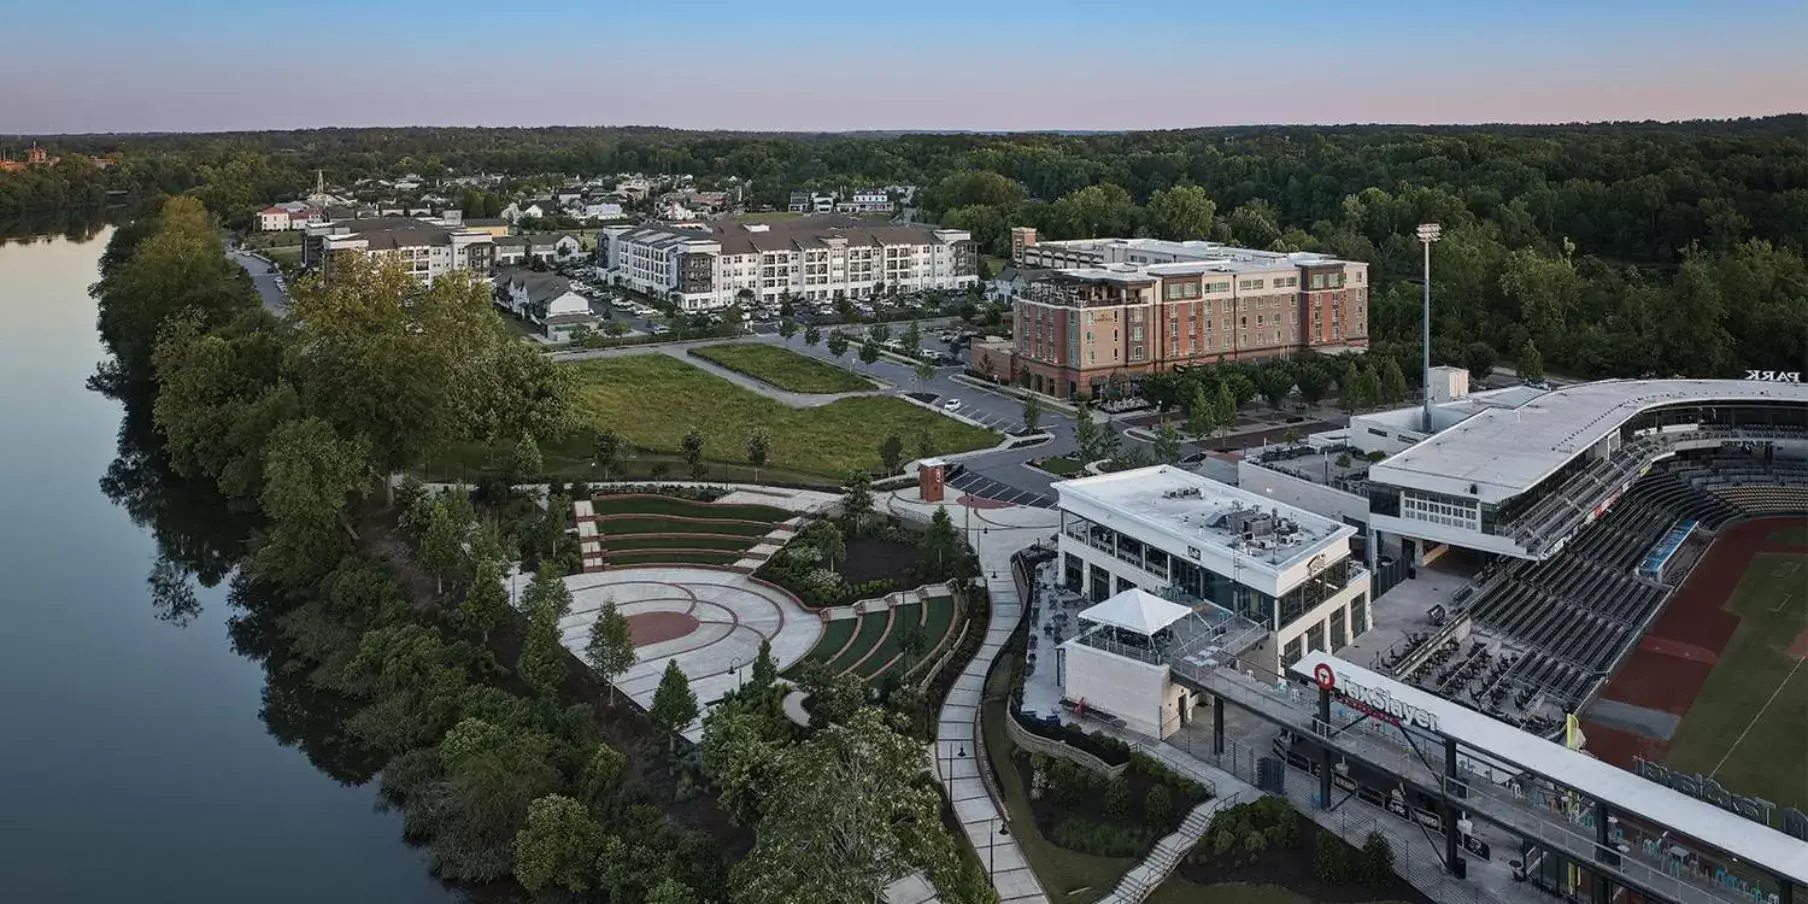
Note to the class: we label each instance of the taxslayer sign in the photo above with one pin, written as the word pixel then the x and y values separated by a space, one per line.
pixel 1375 701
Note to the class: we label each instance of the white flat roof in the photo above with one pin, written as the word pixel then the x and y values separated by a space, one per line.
pixel 1136 610
pixel 1190 510
pixel 1504 451
pixel 1623 791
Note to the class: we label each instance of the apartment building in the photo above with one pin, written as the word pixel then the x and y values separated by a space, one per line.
pixel 286 216
pixel 429 248
pixel 1138 306
pixel 816 258
pixel 860 200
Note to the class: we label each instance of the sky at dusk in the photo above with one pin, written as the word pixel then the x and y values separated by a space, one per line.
pixel 204 65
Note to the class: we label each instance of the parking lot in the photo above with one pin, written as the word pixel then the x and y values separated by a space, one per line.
pixel 980 485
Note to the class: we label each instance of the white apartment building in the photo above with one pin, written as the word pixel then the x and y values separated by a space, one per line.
pixel 1191 540
pixel 429 248
pixel 812 258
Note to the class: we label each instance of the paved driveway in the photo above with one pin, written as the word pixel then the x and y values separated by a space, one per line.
pixel 264 277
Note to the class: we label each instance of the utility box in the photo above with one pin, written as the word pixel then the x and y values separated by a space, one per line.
pixel 1449 383
pixel 932 479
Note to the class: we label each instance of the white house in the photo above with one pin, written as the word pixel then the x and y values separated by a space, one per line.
pixel 517 211
pixel 600 211
pixel 511 250
pixel 552 246
pixel 286 216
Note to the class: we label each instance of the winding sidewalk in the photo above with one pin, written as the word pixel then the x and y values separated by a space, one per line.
pixel 956 745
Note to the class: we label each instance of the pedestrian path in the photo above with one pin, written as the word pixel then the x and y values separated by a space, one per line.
pixel 1143 878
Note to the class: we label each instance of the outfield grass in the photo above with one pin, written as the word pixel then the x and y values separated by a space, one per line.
pixel 687 508
pixel 782 367
pixel 1749 726
pixel 618 542
pixel 833 439
pixel 872 626
pixel 612 526
pixel 1792 535
pixel 673 558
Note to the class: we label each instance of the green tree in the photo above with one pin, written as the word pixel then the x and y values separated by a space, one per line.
pixel 310 475
pixel 765 670
pixel 828 540
pixel 610 651
pixel 605 452
pixel 925 443
pixel 891 453
pixel 854 817
pixel 878 334
pixel 1158 806
pixel 1274 380
pixel 941 547
pixel 1364 391
pixel 857 499
pixel 812 336
pixel 558 845
pixel 542 662
pixel 869 353
pixel 1201 414
pixel 1032 412
pixel 924 373
pixel 1377 861
pixel 525 462
pixel 674 706
pixel 443 545
pixel 910 340
pixel 1182 213
pixel 786 329
pixel 739 747
pixel 759 445
pixel 671 891
pixel 692 445
pixel 837 344
pixel 1224 408
pixel 486 604
pixel 1167 445
pixel 1478 358
pixel 1087 434
pixel 1313 382
pixel 1530 365
pixel 1393 382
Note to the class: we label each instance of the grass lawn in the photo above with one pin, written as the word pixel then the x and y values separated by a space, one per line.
pixel 289 254
pixel 1064 466
pixel 673 558
pixel 613 526
pixel 782 367
pixel 620 543
pixel 1746 729
pixel 831 439
pixel 686 508
pixel 835 635
pixel 872 627
pixel 1797 535
pixel 938 619
pixel 1062 872
pixel 887 649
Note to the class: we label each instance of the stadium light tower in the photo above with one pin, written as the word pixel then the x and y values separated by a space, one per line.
pixel 1428 233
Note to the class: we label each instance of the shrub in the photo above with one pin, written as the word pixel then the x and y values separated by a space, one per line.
pixel 1100 839
pixel 1158 806
pixel 1117 799
pixel 1327 859
pixel 1377 861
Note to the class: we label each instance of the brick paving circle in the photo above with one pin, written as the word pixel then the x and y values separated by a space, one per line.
pixel 656 627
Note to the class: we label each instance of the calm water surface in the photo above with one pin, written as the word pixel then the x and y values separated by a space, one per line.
pixel 134 764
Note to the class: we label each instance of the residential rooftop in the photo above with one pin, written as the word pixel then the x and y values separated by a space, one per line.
pixel 743 237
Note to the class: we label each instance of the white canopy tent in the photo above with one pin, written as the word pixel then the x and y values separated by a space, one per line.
pixel 1136 611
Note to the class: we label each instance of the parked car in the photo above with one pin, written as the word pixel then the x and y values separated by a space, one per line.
pixel 951 405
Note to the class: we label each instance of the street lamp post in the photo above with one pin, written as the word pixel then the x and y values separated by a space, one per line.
pixel 735 668
pixel 998 831
pixel 1428 233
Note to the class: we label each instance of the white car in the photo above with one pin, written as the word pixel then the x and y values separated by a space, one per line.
pixel 951 405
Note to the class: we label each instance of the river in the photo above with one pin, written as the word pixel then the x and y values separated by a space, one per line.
pixel 136 764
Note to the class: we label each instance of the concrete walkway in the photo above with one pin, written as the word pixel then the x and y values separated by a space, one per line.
pixel 1004 532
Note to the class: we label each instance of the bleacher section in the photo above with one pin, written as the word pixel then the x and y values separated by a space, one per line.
pixel 1545 634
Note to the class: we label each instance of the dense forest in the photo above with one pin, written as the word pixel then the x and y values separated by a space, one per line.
pixel 1617 249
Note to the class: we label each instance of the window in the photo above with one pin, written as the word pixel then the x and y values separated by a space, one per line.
pixel 1246 285
pixel 1291 654
pixel 1359 615
pixel 1339 639
pixel 1315 637
pixel 1318 280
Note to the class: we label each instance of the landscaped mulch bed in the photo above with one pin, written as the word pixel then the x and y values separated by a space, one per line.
pixel 870 558
pixel 1291 868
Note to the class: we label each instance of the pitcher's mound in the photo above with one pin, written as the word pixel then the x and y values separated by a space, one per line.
pixel 655 627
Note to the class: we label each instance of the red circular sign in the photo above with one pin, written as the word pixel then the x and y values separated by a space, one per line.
pixel 1321 673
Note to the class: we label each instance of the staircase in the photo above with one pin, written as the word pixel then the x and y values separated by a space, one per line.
pixel 1143 878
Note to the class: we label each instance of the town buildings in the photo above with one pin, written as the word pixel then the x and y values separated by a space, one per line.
pixel 287 216
pixel 545 300
pixel 430 248
pixel 859 200
pixel 1139 306
pixel 814 258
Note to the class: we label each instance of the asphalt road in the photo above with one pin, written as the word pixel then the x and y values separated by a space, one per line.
pixel 263 276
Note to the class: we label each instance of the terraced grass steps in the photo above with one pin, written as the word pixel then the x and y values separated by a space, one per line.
pixel 873 626
pixel 888 647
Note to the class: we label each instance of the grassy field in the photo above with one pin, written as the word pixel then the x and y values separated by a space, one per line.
pixel 613 543
pixel 888 646
pixel 872 627
pixel 1749 726
pixel 829 440
pixel 613 526
pixel 1064 466
pixel 835 635
pixel 782 367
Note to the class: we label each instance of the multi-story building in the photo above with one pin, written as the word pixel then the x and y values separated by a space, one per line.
pixel 286 216
pixel 1138 306
pixel 430 248
pixel 810 258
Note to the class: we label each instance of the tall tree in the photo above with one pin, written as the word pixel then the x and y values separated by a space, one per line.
pixel 910 340
pixel 812 336
pixel 542 662
pixel 1530 365
pixel 610 652
pixel 1167 445
pixel 786 329
pixel 837 344
pixel 1478 359
pixel 869 353
pixel 486 604
pixel 857 498
pixel 311 475
pixel 1182 213
pixel 692 446
pixel 558 845
pixel 1224 408
pixel 940 547
pixel 444 551
pixel 925 372
pixel 674 705
pixel 605 452
pixel 1087 434
pixel 891 453
pixel 1393 382
pixel 525 462
pixel 1201 413
pixel 1032 412
pixel 759 445
pixel 765 669
pixel 1313 382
